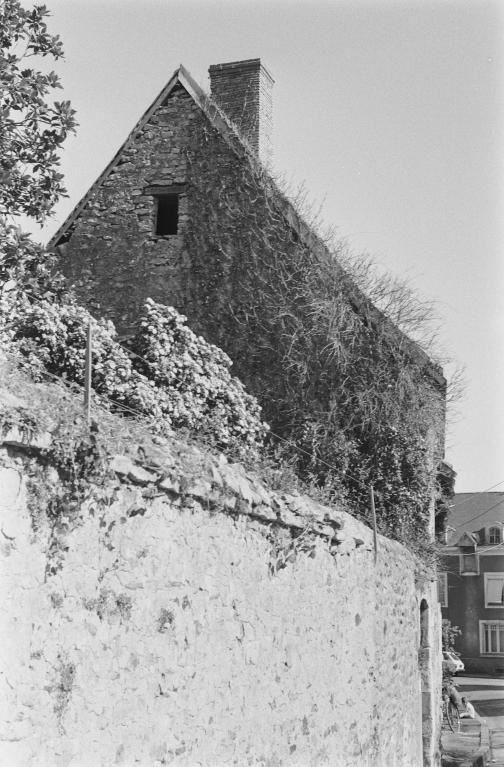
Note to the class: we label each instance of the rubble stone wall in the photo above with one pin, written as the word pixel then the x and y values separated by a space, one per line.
pixel 200 619
pixel 112 253
pixel 236 269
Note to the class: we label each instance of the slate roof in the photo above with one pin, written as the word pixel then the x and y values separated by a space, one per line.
pixel 472 511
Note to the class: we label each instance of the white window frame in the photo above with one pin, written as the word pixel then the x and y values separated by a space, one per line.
pixel 461 564
pixel 488 577
pixel 482 625
pixel 443 590
pixel 499 535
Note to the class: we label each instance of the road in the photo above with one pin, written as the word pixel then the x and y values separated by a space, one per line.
pixel 487 696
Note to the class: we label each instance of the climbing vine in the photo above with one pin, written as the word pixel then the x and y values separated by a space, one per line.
pixel 352 400
pixel 358 401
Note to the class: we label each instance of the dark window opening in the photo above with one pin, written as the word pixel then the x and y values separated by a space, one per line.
pixel 167 214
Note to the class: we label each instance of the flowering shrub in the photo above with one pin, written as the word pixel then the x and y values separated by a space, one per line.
pixel 181 380
pixel 203 393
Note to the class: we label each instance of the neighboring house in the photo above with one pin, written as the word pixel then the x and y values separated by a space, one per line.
pixel 471 579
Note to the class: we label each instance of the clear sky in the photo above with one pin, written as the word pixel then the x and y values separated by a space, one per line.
pixel 392 115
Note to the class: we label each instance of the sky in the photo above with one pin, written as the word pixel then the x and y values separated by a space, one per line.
pixel 391 116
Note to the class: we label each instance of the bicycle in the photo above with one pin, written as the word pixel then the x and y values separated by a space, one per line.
pixel 451 715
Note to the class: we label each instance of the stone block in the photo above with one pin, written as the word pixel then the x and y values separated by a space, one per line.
pixel 121 464
pixel 170 484
pixel 18 438
pixel 125 467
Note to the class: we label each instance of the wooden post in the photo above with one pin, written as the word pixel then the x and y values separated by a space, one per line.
pixel 87 373
pixel 375 531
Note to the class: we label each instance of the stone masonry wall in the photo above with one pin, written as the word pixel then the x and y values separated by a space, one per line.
pixel 233 269
pixel 113 256
pixel 200 619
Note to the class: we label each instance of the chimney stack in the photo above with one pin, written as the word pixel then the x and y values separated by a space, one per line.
pixel 243 91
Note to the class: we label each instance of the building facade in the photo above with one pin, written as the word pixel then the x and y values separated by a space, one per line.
pixel 471 579
pixel 187 213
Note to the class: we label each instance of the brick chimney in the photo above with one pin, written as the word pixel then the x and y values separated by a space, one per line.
pixel 243 91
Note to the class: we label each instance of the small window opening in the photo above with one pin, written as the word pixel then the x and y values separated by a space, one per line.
pixel 167 214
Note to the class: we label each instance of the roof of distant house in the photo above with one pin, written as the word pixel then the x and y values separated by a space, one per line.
pixel 472 511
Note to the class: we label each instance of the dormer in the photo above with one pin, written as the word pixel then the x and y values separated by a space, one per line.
pixel 468 540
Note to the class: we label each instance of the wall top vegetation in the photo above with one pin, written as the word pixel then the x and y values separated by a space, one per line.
pixel 185 473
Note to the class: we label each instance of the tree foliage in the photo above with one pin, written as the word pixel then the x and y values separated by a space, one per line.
pixel 449 634
pixel 32 128
pixel 26 264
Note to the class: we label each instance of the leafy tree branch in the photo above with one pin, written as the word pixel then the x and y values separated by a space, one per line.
pixel 32 128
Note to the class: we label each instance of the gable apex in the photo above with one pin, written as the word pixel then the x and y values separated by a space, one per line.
pixel 180 77
pixel 216 116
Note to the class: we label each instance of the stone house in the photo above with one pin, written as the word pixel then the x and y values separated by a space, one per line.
pixel 187 213
pixel 471 579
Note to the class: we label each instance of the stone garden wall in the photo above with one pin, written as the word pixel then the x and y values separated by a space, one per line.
pixel 196 618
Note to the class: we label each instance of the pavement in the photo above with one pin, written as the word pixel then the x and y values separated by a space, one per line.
pixel 480 741
pixel 467 748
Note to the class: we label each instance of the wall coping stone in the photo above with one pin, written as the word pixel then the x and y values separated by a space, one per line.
pixel 222 486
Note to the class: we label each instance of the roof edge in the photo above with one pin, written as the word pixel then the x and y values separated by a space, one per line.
pixel 103 175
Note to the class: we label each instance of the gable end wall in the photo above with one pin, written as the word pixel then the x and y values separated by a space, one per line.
pixel 238 239
pixel 112 255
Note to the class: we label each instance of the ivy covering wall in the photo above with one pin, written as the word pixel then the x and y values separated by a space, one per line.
pixel 362 404
pixel 350 400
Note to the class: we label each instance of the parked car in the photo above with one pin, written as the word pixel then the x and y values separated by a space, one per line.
pixel 451 663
